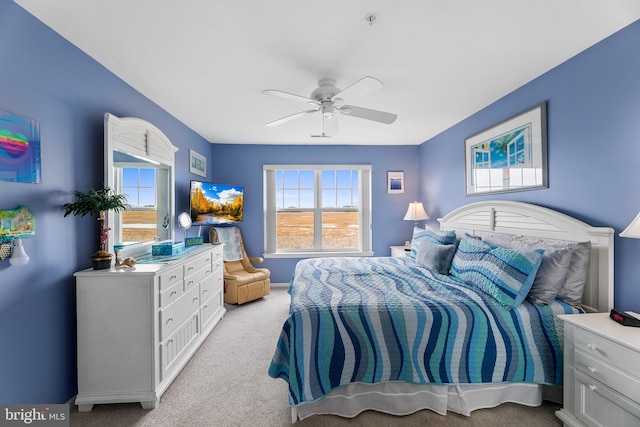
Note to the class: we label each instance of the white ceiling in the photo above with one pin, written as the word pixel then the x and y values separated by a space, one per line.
pixel 207 61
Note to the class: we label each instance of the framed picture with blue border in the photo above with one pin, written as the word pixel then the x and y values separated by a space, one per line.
pixel 197 163
pixel 395 182
pixel 510 156
pixel 19 149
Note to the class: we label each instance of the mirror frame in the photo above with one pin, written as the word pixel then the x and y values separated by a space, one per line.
pixel 138 138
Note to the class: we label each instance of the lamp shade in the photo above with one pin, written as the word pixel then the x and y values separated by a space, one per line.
pixel 633 229
pixel 416 212
pixel 19 256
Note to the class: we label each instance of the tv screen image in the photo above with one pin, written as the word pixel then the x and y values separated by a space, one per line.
pixel 213 204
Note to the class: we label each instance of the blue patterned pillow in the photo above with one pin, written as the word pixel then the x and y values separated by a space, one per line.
pixel 434 236
pixel 505 274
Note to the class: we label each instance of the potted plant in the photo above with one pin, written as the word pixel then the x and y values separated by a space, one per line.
pixel 97 202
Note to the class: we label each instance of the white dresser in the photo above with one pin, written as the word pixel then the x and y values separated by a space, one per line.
pixel 138 327
pixel 601 372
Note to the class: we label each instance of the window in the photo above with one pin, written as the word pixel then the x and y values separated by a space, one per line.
pixel 139 184
pixel 315 210
pixel 139 223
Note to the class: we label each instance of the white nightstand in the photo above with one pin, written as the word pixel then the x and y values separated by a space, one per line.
pixel 398 251
pixel 601 376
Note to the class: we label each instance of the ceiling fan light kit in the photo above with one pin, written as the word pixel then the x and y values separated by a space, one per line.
pixel 325 99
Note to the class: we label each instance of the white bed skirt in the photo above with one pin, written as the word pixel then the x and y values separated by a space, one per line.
pixel 398 398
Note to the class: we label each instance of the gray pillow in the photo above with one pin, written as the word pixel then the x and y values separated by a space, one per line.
pixel 435 256
pixel 553 270
pixel 571 291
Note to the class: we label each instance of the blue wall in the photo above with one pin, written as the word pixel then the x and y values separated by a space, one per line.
pixel 45 78
pixel 388 209
pixel 593 111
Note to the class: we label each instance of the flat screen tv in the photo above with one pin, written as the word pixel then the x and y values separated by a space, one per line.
pixel 214 204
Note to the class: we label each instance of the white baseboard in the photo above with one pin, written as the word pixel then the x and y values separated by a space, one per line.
pixel 279 285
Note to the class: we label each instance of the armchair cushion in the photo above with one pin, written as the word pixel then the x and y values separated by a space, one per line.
pixel 242 281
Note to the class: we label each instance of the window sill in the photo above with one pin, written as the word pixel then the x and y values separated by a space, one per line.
pixel 315 254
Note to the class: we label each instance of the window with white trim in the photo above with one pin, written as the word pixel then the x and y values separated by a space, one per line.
pixel 315 210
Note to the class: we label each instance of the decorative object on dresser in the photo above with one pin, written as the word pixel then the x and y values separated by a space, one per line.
pixel 97 202
pixel 415 213
pixel 242 281
pixel 137 328
pixel 16 224
pixel 601 378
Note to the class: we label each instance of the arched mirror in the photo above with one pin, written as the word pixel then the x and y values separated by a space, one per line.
pixel 139 163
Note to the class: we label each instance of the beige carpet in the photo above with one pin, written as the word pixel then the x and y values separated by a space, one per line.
pixel 226 384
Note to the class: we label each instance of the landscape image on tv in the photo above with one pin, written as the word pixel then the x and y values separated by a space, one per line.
pixel 216 203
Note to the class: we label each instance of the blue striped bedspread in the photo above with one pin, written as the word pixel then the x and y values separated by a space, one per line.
pixel 380 319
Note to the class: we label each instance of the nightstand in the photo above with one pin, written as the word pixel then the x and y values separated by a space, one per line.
pixel 398 251
pixel 601 376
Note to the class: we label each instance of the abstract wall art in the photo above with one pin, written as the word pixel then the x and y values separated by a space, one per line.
pixel 19 149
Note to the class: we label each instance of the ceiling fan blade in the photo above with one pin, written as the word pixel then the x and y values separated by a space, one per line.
pixel 362 87
pixel 365 113
pixel 289 118
pixel 289 96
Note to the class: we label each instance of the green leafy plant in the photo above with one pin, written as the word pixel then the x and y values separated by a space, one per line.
pixel 95 201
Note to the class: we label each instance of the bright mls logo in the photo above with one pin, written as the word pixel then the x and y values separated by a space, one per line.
pixel 34 415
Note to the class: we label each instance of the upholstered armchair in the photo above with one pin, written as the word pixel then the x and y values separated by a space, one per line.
pixel 242 281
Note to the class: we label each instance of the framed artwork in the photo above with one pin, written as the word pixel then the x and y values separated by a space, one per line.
pixel 19 149
pixel 395 182
pixel 510 156
pixel 197 163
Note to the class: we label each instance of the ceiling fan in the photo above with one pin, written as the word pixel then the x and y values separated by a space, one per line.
pixel 328 99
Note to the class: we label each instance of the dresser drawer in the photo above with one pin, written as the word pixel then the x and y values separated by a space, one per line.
pixel 195 278
pixel 210 286
pixel 175 314
pixel 173 350
pixel 598 370
pixel 196 264
pixel 217 262
pixel 170 295
pixel 597 405
pixel 170 277
pixel 211 309
pixel 610 353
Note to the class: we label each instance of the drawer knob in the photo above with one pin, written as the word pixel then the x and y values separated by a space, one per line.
pixel 173 277
pixel 592 346
pixel 170 319
pixel 205 291
pixel 592 369
pixel 173 293
pixel 195 299
pixel 592 387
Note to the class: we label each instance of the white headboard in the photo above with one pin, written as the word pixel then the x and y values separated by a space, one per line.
pixel 525 219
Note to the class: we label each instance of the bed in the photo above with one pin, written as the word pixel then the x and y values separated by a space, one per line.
pixel 391 335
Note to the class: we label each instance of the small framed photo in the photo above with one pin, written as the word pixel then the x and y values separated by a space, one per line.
pixel 510 156
pixel 395 182
pixel 197 163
